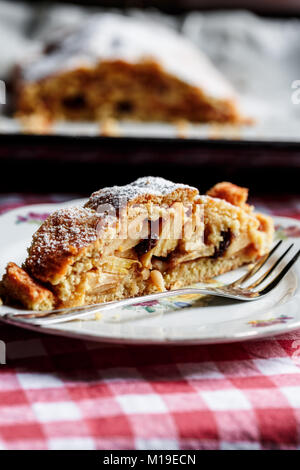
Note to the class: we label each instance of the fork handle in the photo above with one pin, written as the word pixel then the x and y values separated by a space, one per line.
pixel 52 317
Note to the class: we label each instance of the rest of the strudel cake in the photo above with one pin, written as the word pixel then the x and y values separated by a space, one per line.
pixel 121 67
pixel 133 240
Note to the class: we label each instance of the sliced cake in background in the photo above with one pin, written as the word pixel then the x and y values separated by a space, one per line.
pixel 124 68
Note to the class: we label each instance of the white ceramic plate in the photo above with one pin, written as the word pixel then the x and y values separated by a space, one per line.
pixel 183 320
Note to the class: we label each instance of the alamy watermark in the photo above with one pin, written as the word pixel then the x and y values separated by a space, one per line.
pixel 2 352
pixel 138 222
pixel 2 92
pixel 295 97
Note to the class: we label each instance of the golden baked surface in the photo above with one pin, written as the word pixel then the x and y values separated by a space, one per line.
pixel 118 67
pixel 131 240
pixel 18 284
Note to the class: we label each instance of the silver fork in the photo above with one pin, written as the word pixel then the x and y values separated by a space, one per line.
pixel 234 290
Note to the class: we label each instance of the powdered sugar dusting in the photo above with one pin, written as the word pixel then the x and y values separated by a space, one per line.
pixel 117 37
pixel 63 233
pixel 68 230
pixel 119 196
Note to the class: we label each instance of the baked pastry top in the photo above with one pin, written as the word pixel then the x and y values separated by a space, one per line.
pixel 136 239
pixel 125 68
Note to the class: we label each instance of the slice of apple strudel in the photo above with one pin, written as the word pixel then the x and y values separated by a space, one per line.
pixel 133 240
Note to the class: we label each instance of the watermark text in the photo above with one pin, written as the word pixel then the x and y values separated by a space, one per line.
pixel 295 97
pixel 2 352
pixel 2 92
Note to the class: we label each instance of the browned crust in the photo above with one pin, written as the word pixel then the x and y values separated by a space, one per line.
pixel 59 239
pixel 232 193
pixel 45 98
pixel 68 232
pixel 143 191
pixel 18 285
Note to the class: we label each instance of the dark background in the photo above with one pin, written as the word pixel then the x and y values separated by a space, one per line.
pixel 81 165
pixel 264 7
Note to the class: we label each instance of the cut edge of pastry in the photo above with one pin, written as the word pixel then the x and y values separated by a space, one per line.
pixel 115 67
pixel 141 92
pixel 174 237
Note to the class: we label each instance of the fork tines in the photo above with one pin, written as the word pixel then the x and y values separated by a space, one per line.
pixel 260 263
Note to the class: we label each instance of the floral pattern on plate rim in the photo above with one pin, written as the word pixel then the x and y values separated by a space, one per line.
pixel 283 233
pixel 32 218
pixel 270 321
pixel 175 303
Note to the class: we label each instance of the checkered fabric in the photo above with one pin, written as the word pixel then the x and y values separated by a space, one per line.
pixel 60 393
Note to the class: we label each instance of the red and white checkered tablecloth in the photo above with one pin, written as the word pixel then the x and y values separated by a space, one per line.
pixel 59 393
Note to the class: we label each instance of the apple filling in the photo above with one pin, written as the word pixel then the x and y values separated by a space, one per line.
pixel 148 260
